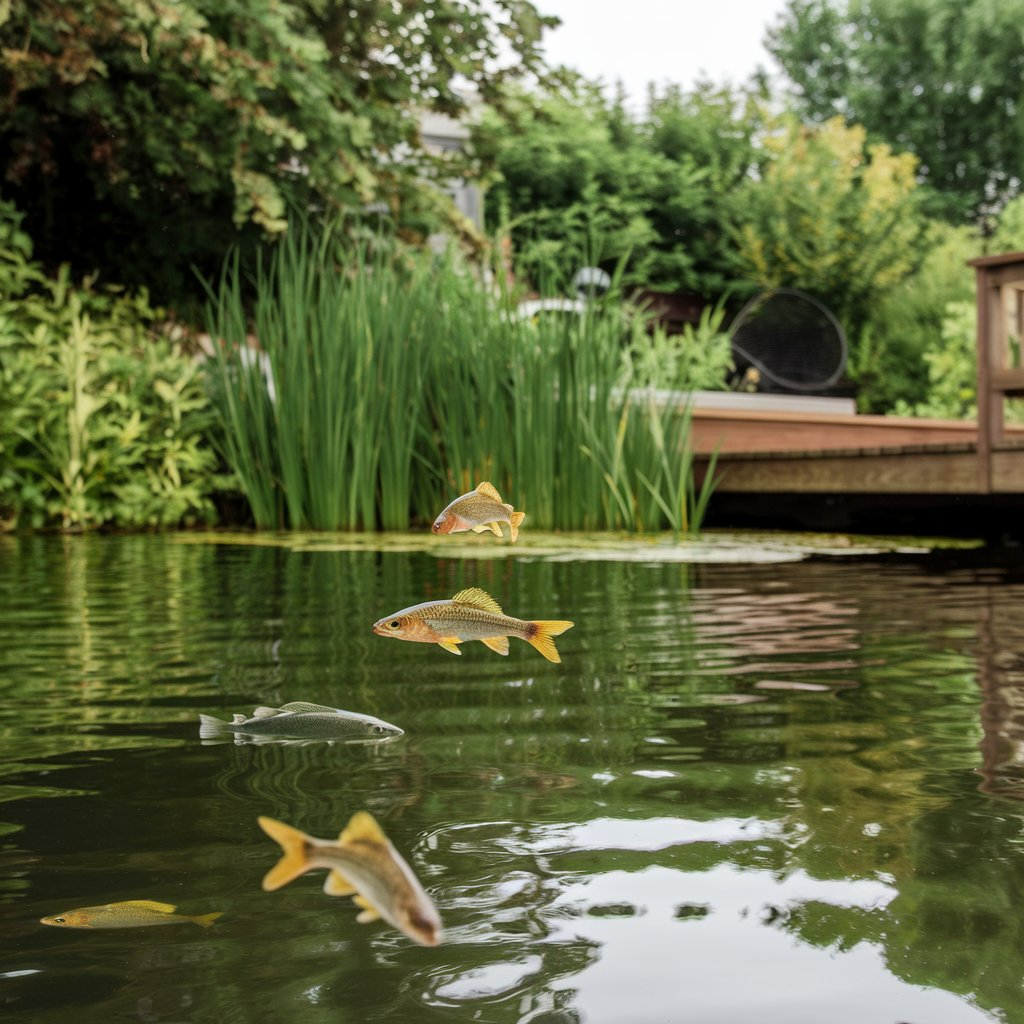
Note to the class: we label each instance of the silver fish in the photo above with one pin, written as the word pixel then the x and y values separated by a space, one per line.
pixel 346 726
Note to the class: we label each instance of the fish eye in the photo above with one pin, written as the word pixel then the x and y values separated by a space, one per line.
pixel 58 920
pixel 394 624
pixel 378 729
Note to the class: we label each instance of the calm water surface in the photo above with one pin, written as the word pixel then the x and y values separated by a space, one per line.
pixel 781 793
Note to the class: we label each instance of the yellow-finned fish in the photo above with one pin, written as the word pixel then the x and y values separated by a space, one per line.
pixel 127 914
pixel 362 864
pixel 480 510
pixel 470 615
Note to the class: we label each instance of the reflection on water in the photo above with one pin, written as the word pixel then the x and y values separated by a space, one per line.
pixel 775 792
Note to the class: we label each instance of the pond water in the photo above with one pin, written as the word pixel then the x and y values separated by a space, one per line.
pixel 782 791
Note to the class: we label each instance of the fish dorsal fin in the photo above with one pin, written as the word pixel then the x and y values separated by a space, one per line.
pixel 478 599
pixel 161 908
pixel 488 490
pixel 362 826
pixel 264 712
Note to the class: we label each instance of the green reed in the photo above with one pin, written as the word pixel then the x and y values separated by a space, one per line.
pixel 400 383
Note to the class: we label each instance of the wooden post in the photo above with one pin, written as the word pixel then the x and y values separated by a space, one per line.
pixel 995 379
pixel 984 385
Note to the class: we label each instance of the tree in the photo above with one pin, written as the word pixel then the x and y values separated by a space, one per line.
pixel 142 136
pixel 579 177
pixel 829 214
pixel 942 80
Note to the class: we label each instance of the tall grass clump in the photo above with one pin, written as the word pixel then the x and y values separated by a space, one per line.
pixel 319 381
pixel 362 392
pixel 544 409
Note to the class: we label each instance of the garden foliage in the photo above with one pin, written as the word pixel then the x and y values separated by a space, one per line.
pixel 827 214
pixel 103 418
pixel 579 176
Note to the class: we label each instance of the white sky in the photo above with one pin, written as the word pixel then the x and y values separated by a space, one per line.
pixel 639 41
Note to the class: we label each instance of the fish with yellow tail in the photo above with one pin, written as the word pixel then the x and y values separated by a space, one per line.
pixel 127 914
pixel 480 510
pixel 362 864
pixel 470 615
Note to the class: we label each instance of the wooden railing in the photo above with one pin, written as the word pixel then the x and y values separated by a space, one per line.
pixel 1000 291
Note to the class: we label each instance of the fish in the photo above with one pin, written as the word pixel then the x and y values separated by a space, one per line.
pixel 471 614
pixel 362 864
pixel 305 725
pixel 480 510
pixel 127 914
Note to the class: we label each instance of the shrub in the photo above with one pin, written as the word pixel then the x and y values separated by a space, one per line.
pixel 102 417
pixel 907 322
pixel 700 357
pixel 951 361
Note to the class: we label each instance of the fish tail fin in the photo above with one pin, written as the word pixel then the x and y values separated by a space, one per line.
pixel 514 521
pixel 205 920
pixel 541 634
pixel 295 857
pixel 209 727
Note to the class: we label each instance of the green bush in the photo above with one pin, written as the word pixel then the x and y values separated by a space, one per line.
pixel 951 361
pixel 102 417
pixel 887 362
pixel 652 188
pixel 699 358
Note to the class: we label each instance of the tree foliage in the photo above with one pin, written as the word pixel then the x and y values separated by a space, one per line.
pixel 829 214
pixel 888 358
pixel 580 178
pixel 942 80
pixel 141 136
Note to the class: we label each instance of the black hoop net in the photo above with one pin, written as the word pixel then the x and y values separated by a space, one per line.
pixel 791 339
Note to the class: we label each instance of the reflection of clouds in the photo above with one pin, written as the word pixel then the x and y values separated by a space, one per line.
pixel 640 834
pixel 726 965
pixel 540 930
pixel 648 834
pixel 493 980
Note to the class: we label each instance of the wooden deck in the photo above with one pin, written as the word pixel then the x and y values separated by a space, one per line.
pixel 818 468
pixel 807 453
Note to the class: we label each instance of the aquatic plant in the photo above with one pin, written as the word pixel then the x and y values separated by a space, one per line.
pixel 359 391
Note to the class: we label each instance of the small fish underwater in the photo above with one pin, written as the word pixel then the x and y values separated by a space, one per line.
pixel 300 721
pixel 127 914
pixel 471 614
pixel 363 864
pixel 479 510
